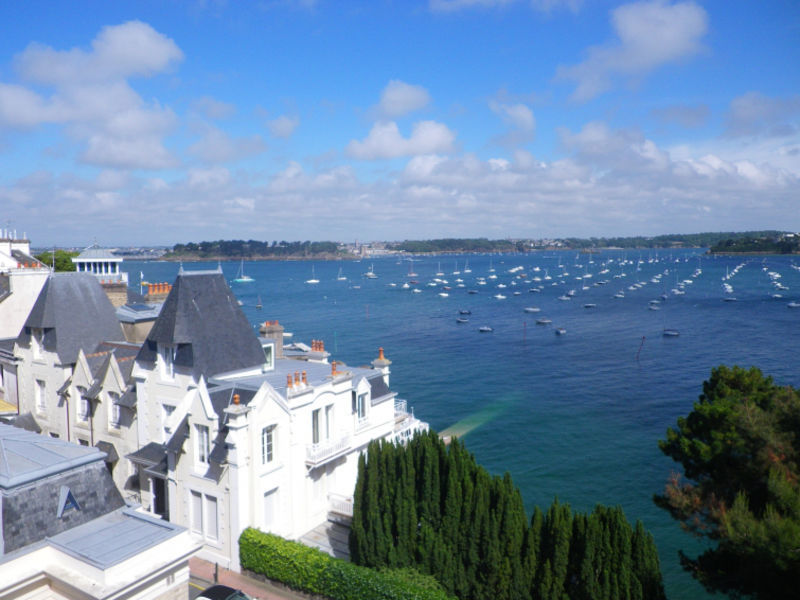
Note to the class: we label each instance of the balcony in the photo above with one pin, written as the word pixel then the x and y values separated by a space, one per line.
pixel 319 454
pixel 340 506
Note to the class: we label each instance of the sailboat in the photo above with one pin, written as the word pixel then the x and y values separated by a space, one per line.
pixel 371 273
pixel 313 279
pixel 259 305
pixel 241 277
pixel 439 272
pixel 466 267
pixel 340 277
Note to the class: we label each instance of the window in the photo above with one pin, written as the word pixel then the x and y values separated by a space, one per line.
pixel 166 412
pixel 270 508
pixel 211 517
pixel 83 442
pixel 113 410
pixel 37 336
pixel 267 444
pixel 41 399
pixel 203 518
pixel 315 427
pixel 202 444
pixel 167 360
pixel 361 406
pixel 83 409
pixel 268 356
pixel 328 421
pixel 197 512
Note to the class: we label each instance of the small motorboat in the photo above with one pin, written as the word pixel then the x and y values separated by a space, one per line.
pixel 531 309
pixel 590 305
pixel 670 333
pixel 462 320
pixel 485 329
pixel 465 312
pixel 560 331
pixel 543 321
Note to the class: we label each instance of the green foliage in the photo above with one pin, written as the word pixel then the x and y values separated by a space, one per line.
pixel 771 244
pixel 740 449
pixel 61 258
pixel 455 245
pixel 310 570
pixel 253 249
pixel 432 507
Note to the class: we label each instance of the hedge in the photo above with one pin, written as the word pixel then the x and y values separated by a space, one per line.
pixel 311 570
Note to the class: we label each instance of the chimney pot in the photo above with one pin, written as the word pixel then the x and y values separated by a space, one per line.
pixel 288 381
pixel 333 367
pixel 296 377
pixel 236 399
pixel 305 380
pixel 380 353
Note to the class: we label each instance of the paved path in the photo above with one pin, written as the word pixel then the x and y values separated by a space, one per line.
pixel 202 570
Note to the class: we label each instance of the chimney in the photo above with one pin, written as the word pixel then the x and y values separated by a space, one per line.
pixel 288 381
pixel 305 379
pixel 236 399
pixel 274 331
pixel 297 378
pixel 382 364
pixel 333 369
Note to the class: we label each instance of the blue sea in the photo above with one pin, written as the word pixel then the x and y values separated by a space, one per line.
pixel 578 415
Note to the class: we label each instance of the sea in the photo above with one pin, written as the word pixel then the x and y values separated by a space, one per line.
pixel 575 415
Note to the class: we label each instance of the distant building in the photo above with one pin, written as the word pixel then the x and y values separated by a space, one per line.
pixel 101 263
pixel 66 531
pixel 21 279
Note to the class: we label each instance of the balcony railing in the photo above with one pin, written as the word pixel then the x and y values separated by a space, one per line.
pixel 341 505
pixel 317 454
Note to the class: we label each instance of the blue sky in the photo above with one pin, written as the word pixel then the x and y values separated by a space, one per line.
pixel 164 122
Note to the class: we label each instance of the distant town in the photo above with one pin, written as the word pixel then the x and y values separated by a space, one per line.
pixel 747 242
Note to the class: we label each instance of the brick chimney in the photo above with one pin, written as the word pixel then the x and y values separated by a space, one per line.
pixel 274 331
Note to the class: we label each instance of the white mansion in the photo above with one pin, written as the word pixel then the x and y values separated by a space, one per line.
pixel 206 424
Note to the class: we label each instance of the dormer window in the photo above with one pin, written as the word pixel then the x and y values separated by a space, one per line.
pixel 166 358
pixel 37 342
pixel 83 404
pixel 203 444
pixel 113 410
pixel 269 363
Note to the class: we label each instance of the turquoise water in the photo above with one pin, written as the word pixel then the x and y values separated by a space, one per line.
pixel 575 416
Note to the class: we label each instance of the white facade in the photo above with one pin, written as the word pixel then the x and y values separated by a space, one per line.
pixel 102 264
pixel 288 452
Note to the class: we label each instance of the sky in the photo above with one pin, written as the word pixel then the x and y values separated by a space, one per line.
pixel 171 121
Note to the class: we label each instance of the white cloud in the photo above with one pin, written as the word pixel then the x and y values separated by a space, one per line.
pixel 399 98
pixel 648 35
pixel 518 116
pixel 385 141
pixel 211 108
pixel 133 49
pixel 211 177
pixel 217 146
pixel 754 114
pixel 91 98
pixel 283 126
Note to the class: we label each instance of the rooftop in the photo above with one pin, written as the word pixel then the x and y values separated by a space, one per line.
pixel 26 456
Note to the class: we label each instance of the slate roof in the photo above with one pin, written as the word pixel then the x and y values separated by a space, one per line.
pixel 114 537
pixel 75 313
pixel 148 455
pixel 26 456
pixel 134 312
pixel 202 319
pixel 378 387
pixel 96 253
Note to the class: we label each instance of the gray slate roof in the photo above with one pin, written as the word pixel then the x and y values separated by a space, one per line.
pixel 114 537
pixel 96 253
pixel 26 456
pixel 75 313
pixel 202 319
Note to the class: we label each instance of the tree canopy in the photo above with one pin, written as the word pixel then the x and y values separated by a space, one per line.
pixel 740 451
pixel 432 507
pixel 62 259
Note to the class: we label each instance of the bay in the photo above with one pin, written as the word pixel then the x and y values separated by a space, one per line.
pixel 577 416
